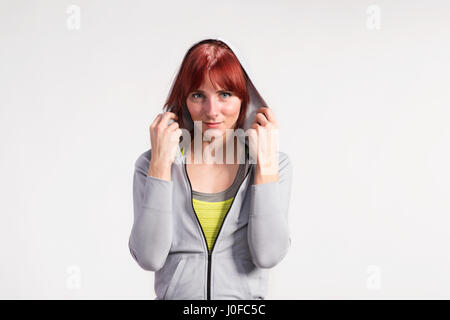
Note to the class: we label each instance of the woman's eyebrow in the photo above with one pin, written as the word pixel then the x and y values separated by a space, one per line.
pixel 201 91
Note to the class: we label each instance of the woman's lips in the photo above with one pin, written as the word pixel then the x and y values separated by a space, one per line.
pixel 213 124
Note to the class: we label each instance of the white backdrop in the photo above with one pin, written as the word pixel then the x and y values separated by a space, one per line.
pixel 361 93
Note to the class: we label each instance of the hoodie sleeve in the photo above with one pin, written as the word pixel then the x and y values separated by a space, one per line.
pixel 268 229
pixel 151 235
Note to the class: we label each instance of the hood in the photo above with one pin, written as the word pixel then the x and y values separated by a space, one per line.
pixel 255 102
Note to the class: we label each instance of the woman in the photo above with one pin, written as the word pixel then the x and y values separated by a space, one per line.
pixel 211 230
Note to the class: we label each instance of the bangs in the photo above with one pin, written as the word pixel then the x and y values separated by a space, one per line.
pixel 224 72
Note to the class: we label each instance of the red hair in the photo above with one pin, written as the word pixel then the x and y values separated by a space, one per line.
pixel 213 58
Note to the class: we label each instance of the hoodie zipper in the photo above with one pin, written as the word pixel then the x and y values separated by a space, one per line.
pixel 208 292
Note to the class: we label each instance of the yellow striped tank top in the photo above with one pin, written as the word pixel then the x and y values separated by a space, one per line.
pixel 211 208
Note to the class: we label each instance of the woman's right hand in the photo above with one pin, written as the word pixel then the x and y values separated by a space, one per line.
pixel 164 139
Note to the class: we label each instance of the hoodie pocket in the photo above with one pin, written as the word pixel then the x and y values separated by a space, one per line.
pixel 175 278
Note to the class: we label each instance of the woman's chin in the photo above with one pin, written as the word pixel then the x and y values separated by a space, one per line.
pixel 213 132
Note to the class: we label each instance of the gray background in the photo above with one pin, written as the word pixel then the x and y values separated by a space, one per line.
pixel 363 113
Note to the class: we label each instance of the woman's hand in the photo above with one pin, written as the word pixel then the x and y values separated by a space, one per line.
pixel 263 138
pixel 164 139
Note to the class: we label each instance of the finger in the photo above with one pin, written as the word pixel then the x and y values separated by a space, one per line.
pixel 173 126
pixel 261 119
pixel 164 122
pixel 176 134
pixel 268 113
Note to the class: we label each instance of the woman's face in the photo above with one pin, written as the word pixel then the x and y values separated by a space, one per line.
pixel 220 108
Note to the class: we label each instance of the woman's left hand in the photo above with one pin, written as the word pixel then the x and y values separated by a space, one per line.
pixel 263 138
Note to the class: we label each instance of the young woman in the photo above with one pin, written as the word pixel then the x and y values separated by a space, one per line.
pixel 211 229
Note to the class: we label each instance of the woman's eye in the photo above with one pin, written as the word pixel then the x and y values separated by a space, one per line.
pixel 223 94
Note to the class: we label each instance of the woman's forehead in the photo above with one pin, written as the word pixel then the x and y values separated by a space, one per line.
pixel 207 85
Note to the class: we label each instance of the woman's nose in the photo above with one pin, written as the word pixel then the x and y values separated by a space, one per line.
pixel 211 108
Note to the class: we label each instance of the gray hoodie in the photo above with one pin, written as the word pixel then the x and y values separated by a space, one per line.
pixel 167 237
